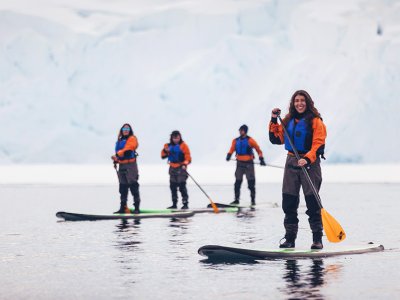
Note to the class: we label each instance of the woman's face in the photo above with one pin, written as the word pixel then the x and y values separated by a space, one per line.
pixel 176 139
pixel 126 130
pixel 300 104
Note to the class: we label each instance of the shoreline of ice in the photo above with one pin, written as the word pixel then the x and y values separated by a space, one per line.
pixel 151 174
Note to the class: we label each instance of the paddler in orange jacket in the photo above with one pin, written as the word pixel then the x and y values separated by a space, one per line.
pixel 243 146
pixel 128 174
pixel 307 131
pixel 178 154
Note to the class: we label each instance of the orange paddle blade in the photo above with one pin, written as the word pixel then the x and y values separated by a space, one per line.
pixel 215 208
pixel 333 230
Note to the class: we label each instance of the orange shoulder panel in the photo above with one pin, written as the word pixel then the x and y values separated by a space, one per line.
pixel 186 151
pixel 277 130
pixel 253 143
pixel 319 136
pixel 233 146
pixel 131 144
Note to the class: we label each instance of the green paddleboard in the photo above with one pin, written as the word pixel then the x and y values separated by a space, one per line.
pixel 67 216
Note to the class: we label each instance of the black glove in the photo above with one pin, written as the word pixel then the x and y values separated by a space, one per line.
pixel 262 162
pixel 276 111
pixel 308 165
pixel 228 157
pixel 128 153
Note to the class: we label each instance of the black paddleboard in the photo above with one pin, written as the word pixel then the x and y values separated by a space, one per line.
pixel 231 253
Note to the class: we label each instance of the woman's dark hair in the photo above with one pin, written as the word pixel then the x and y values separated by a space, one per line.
pixel 120 135
pixel 310 113
pixel 175 133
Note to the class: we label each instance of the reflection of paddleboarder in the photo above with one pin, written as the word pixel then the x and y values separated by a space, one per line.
pixel 128 174
pixel 303 284
pixel 304 125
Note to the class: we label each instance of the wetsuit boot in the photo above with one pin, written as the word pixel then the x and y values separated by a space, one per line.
pixel 185 196
pixel 123 209
pixel 290 236
pixel 136 197
pixel 173 206
pixel 238 184
pixel 317 241
pixel 314 218
pixel 252 188
pixel 137 210
pixel 174 194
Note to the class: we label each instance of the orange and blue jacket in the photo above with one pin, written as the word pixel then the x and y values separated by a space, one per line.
pixel 178 155
pixel 248 156
pixel 129 150
pixel 318 136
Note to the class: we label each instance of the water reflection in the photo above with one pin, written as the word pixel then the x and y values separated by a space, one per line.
pixel 247 232
pixel 219 264
pixel 306 284
pixel 128 240
pixel 127 235
pixel 179 231
pixel 246 213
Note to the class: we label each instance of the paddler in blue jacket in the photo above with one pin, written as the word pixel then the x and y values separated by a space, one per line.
pixel 178 154
pixel 308 133
pixel 243 146
pixel 128 174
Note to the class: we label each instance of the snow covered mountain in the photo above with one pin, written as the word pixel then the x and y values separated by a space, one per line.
pixel 72 72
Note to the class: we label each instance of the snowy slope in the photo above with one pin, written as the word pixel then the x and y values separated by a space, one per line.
pixel 71 72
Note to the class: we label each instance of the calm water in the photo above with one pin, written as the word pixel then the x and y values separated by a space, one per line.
pixel 43 258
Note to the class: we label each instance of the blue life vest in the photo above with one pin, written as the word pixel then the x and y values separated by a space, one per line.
pixel 129 154
pixel 243 147
pixel 300 134
pixel 176 154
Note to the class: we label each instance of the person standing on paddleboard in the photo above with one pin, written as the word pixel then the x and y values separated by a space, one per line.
pixel 304 125
pixel 128 174
pixel 243 146
pixel 178 154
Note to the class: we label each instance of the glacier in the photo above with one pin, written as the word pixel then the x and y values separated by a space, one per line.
pixel 72 72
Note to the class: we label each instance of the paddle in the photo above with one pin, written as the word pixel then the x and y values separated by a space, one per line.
pixel 116 170
pixel 215 208
pixel 268 165
pixel 333 230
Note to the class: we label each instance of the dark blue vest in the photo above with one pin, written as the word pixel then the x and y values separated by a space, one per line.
pixel 243 147
pixel 176 154
pixel 129 154
pixel 300 134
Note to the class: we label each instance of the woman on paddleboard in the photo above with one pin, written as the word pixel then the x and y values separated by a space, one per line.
pixel 178 154
pixel 304 125
pixel 128 174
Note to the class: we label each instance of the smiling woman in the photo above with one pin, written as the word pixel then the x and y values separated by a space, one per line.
pixel 306 134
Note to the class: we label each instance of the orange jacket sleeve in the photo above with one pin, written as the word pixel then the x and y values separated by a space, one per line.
pixel 131 144
pixel 319 136
pixel 186 151
pixel 163 152
pixel 233 147
pixel 276 133
pixel 254 145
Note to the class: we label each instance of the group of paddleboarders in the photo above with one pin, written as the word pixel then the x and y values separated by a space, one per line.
pixel 301 130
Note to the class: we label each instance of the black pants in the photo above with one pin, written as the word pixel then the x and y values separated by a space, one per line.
pixel 174 186
pixel 245 168
pixel 177 180
pixel 128 180
pixel 293 179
